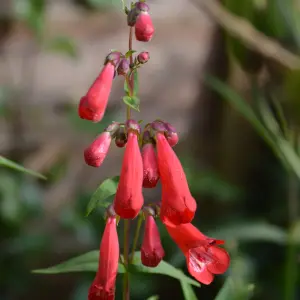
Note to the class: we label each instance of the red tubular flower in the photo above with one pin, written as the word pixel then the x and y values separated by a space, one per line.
pixel 203 257
pixel 150 168
pixel 103 286
pixel 129 199
pixel 152 251
pixel 178 206
pixel 144 28
pixel 95 154
pixel 92 106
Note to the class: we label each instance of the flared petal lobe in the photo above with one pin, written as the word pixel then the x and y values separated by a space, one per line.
pixel 152 251
pixel 204 258
pixel 150 168
pixel 92 106
pixel 95 154
pixel 178 206
pixel 144 28
pixel 129 199
pixel 103 286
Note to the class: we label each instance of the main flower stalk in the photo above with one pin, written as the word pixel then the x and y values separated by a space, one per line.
pixel 148 159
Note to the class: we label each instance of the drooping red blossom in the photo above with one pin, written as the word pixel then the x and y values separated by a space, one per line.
pixel 92 106
pixel 150 167
pixel 129 199
pixel 178 206
pixel 203 257
pixel 95 154
pixel 152 251
pixel 103 286
pixel 144 28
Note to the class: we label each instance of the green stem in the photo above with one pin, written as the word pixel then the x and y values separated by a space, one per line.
pixel 126 260
pixel 136 237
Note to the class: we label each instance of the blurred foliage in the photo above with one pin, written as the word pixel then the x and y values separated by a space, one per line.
pixel 256 219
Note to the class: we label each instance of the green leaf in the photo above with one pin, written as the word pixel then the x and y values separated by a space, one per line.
pixel 153 297
pixel 129 53
pixel 106 189
pixel 252 232
pixel 133 102
pixel 87 262
pixel 62 45
pixel 135 84
pixel 10 164
pixel 188 291
pixel 278 144
pixel 163 268
pixel 230 291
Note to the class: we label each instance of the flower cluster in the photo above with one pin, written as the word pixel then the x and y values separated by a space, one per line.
pixel 148 158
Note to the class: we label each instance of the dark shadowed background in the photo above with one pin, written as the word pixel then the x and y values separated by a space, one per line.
pixel 232 94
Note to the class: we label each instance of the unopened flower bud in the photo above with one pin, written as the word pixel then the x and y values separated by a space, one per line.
pixel 150 167
pixel 123 67
pixel 112 128
pixel 95 154
pixel 143 57
pixel 142 6
pixel 121 137
pixel 92 106
pixel 149 211
pixel 147 137
pixel 133 125
pixel 171 134
pixel 152 251
pixel 113 57
pixel 110 212
pixel 159 126
pixel 144 28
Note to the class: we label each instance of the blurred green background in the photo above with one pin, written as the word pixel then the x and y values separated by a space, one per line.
pixel 233 99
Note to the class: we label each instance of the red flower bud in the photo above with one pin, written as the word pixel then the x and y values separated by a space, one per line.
pixel 143 57
pixel 144 28
pixel 103 286
pixel 95 154
pixel 178 206
pixel 129 199
pixel 150 168
pixel 203 257
pixel 92 106
pixel 152 251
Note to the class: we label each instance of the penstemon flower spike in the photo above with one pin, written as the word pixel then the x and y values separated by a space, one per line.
pixel 148 158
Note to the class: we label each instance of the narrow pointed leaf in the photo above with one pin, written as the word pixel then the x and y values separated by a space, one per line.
pixel 87 262
pixel 10 164
pixel 133 102
pixel 105 190
pixel 163 268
